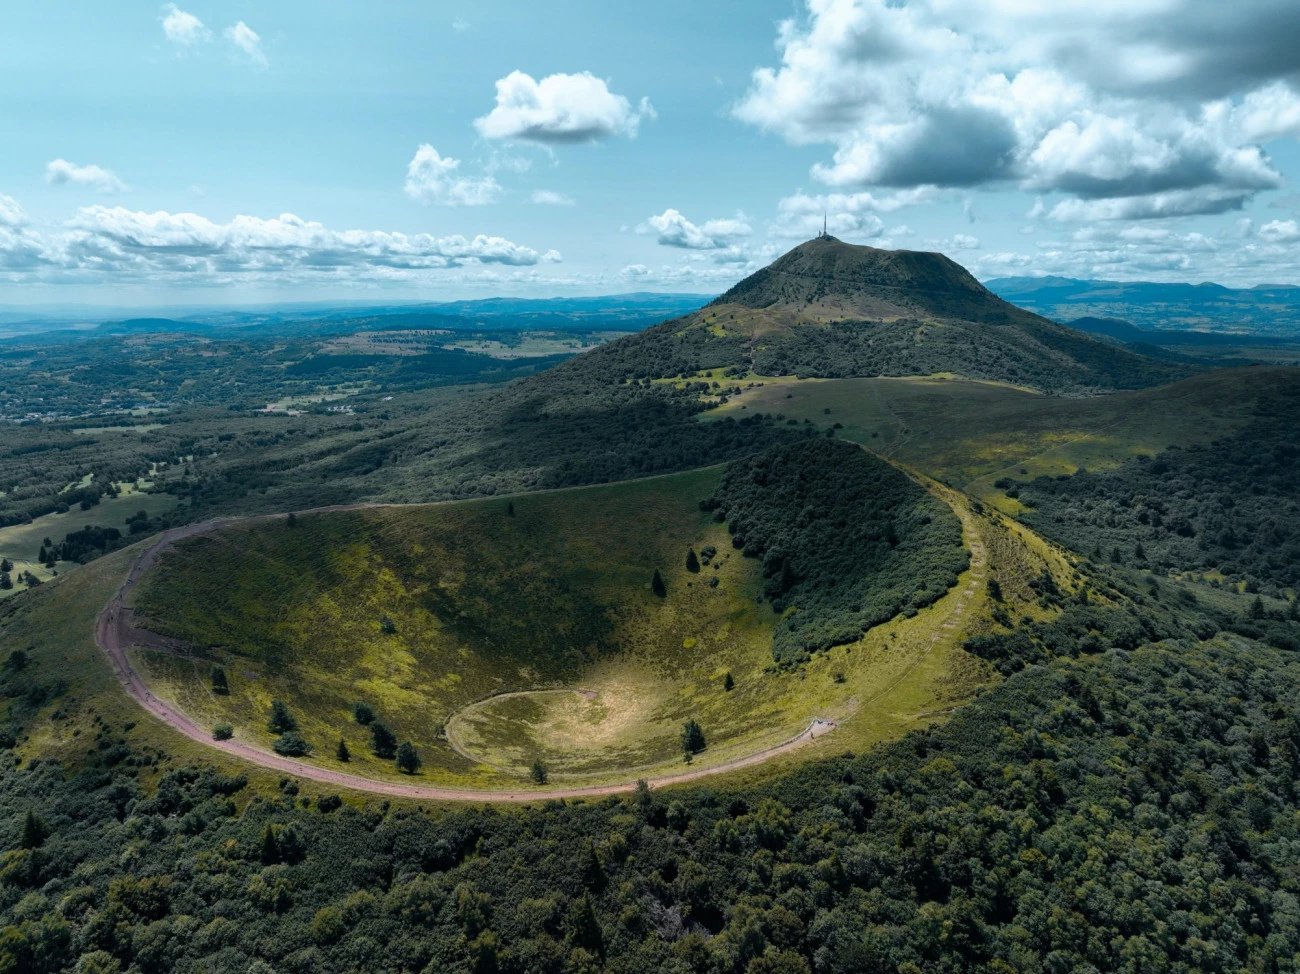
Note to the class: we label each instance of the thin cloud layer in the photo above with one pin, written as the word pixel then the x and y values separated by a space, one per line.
pixel 247 42
pixel 560 109
pixel 1161 104
pixel 114 244
pixel 548 197
pixel 844 214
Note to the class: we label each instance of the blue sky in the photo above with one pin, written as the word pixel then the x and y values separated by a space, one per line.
pixel 228 152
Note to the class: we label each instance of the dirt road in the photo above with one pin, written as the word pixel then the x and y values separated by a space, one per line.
pixel 111 632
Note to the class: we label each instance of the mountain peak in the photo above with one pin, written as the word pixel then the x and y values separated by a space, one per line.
pixel 826 278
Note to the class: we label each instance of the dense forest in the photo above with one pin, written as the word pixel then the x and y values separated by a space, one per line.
pixel 846 540
pixel 1231 506
pixel 1103 809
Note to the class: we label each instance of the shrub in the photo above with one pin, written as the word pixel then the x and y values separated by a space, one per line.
pixel 292 745
pixel 363 713
pixel 222 732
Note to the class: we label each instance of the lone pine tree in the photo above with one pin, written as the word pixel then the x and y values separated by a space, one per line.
pixel 282 721
pixel 382 741
pixel 692 737
pixel 408 758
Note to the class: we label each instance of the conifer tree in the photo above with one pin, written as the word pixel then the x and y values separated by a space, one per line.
pixel 282 721
pixel 408 759
pixel 219 683
pixel 382 741
pixel 728 682
pixel 342 752
pixel 34 831
pixel 270 852
pixel 692 737
pixel 657 585
pixel 692 560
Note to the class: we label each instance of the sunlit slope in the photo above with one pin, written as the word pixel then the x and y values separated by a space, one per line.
pixel 436 614
pixel 973 433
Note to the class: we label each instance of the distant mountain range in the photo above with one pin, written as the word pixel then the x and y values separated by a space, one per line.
pixel 1261 310
pixel 616 312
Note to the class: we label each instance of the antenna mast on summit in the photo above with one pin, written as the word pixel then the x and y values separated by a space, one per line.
pixel 824 234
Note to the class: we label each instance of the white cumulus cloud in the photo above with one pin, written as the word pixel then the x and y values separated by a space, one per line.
pixel 61 172
pixel 435 179
pixel 843 214
pixel 1166 100
pixel 183 29
pixel 1280 231
pixel 672 229
pixel 560 108
pixel 247 42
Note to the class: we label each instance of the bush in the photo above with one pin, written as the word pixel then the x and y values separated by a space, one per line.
pixel 843 537
pixel 222 732
pixel 363 713
pixel 292 745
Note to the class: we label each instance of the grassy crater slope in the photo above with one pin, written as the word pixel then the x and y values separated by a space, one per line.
pixel 533 620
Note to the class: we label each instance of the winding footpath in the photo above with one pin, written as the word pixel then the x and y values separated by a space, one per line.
pixel 112 633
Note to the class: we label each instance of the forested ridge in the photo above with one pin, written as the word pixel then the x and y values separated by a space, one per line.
pixel 846 541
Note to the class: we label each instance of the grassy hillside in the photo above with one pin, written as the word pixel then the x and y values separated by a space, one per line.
pixel 546 604
pixel 971 434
